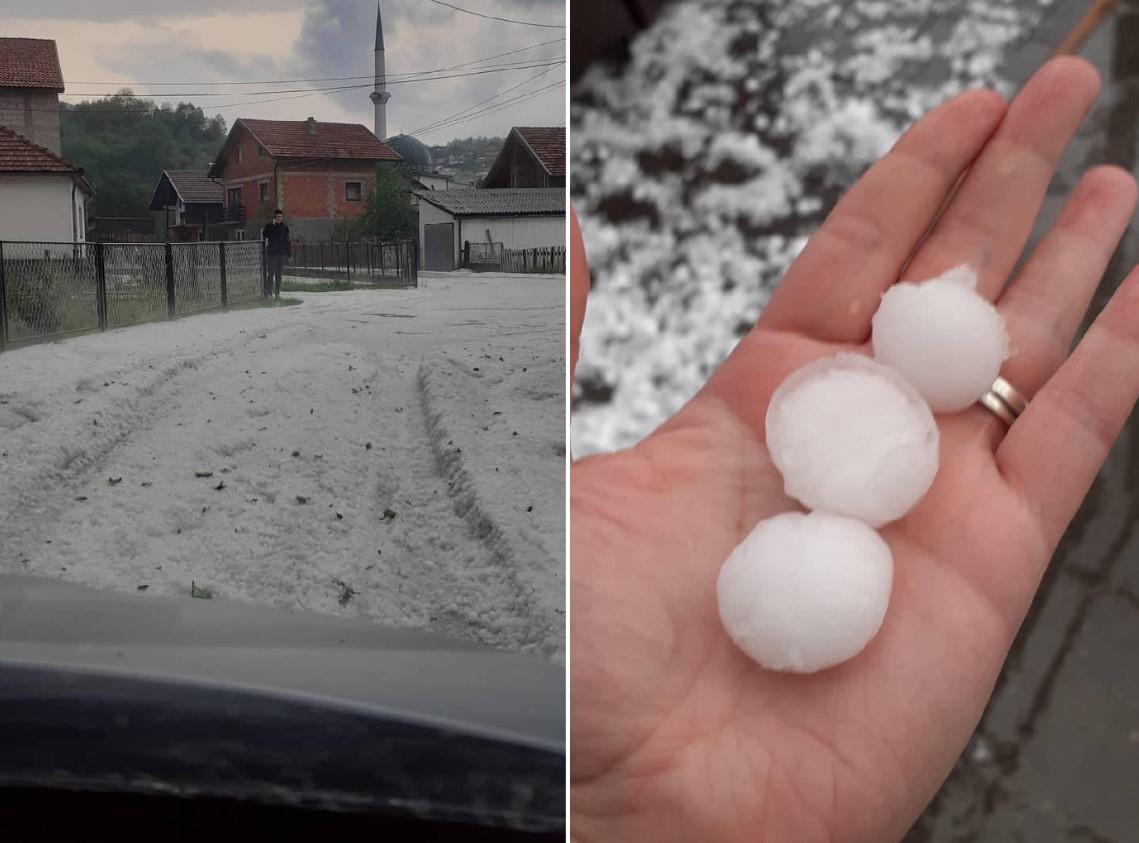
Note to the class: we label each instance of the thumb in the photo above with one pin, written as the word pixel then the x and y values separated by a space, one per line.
pixel 579 290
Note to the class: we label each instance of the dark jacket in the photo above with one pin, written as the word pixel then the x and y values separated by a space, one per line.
pixel 278 237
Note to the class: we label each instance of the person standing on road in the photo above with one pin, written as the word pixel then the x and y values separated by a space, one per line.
pixel 275 236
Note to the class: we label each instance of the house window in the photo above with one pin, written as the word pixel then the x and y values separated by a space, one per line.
pixel 239 234
pixel 235 197
pixel 263 191
pixel 260 151
pixel 353 191
pixel 239 155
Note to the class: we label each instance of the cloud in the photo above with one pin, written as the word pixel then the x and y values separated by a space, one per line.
pixel 549 7
pixel 134 10
pixel 337 36
pixel 179 62
pixel 321 39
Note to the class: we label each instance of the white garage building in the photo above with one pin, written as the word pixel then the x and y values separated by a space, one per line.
pixel 489 221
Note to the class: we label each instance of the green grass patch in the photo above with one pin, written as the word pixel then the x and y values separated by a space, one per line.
pixel 322 287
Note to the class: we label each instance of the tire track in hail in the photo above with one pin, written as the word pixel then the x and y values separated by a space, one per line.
pixel 33 494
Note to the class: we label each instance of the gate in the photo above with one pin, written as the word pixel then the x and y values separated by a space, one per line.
pixel 439 246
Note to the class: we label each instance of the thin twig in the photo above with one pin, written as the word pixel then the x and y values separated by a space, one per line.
pixel 1080 33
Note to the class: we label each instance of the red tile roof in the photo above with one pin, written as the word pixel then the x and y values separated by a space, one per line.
pixel 548 144
pixel 29 63
pixel 293 139
pixel 20 155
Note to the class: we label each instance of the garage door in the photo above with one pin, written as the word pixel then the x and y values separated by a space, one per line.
pixel 439 246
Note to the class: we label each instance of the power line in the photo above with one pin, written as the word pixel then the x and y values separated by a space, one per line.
pixel 93 106
pixel 461 116
pixel 463 111
pixel 505 104
pixel 495 17
pixel 526 65
pixel 502 106
pixel 90 106
pixel 328 78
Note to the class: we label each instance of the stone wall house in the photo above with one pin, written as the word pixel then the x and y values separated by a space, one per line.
pixel 30 84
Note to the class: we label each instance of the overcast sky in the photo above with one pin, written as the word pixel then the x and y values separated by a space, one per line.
pixel 105 45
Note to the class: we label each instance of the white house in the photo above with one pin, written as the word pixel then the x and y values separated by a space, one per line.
pixel 531 218
pixel 42 196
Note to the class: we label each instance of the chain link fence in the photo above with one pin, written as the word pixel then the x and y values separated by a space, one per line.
pixel 136 282
pixel 52 290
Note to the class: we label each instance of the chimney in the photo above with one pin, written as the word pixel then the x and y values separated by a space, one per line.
pixel 310 124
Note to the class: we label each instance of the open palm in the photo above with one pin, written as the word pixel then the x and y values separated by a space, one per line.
pixel 676 735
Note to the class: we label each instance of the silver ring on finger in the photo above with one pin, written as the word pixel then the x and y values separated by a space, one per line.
pixel 1004 401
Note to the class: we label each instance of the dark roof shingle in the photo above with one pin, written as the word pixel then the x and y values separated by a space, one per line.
pixel 30 63
pixel 195 186
pixel 548 144
pixel 505 202
pixel 20 155
pixel 292 139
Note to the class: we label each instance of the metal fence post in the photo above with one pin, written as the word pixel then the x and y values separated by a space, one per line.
pixel 100 286
pixel 264 269
pixel 221 270
pixel 3 302
pixel 169 279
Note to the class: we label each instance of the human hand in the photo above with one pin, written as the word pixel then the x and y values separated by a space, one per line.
pixel 676 734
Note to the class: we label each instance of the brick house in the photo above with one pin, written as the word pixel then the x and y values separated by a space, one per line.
pixel 30 84
pixel 531 156
pixel 318 173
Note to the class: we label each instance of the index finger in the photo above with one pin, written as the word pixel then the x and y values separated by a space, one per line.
pixel 832 289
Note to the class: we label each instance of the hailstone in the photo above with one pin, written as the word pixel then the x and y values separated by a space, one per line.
pixel 851 437
pixel 805 592
pixel 943 336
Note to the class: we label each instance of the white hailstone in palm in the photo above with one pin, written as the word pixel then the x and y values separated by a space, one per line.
pixel 805 592
pixel 945 338
pixel 851 437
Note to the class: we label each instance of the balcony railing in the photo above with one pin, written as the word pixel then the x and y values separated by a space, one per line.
pixel 234 213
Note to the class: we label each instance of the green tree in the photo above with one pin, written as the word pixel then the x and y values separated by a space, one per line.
pixel 124 142
pixel 388 214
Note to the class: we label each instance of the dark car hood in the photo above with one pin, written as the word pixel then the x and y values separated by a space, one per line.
pixel 215 698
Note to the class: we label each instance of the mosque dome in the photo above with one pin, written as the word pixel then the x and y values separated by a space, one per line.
pixel 414 153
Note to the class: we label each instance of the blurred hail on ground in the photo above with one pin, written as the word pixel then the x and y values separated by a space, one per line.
pixel 701 165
